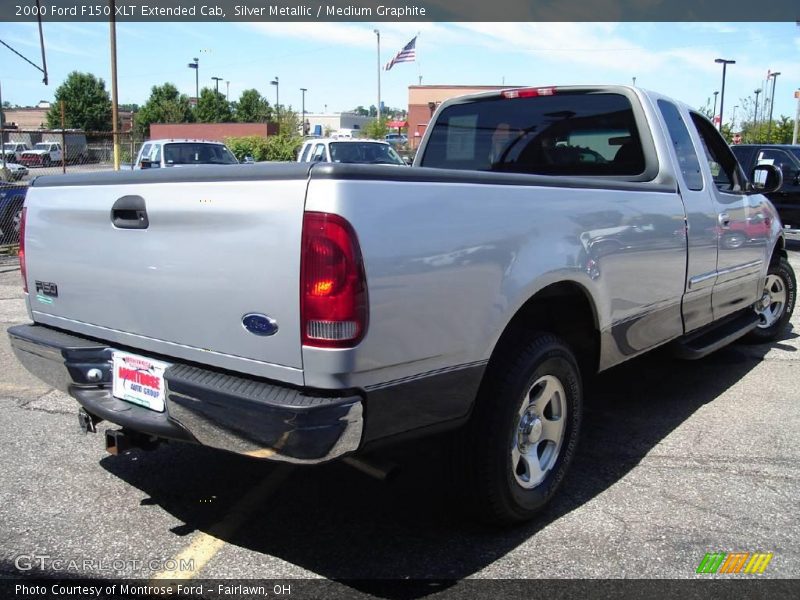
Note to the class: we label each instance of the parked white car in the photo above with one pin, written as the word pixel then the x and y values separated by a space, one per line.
pixel 43 155
pixel 349 151
pixel 173 153
pixel 14 150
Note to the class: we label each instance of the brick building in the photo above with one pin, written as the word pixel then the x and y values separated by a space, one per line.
pixel 423 100
pixel 209 131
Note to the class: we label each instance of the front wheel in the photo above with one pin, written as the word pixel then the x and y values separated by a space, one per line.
pixel 524 432
pixel 777 303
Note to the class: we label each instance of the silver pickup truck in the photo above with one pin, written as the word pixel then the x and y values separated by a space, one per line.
pixel 304 312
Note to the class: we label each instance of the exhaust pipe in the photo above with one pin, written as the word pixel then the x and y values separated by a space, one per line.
pixel 381 472
pixel 87 421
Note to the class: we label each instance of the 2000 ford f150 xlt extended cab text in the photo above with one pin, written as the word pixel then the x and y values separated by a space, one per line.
pixel 305 312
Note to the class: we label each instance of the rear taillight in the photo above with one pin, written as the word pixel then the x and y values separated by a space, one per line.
pixel 22 268
pixel 333 285
pixel 528 92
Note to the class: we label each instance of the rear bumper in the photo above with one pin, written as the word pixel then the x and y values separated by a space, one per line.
pixel 231 412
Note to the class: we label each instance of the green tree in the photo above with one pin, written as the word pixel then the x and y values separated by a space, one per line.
pixel 377 129
pixel 288 123
pixel 87 105
pixel 252 107
pixel 165 105
pixel 212 107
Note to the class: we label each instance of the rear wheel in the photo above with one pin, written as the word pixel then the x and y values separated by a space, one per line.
pixel 777 303
pixel 524 432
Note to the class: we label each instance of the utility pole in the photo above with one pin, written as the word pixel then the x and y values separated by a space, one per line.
pixel 303 109
pixel 724 62
pixel 771 103
pixel 755 116
pixel 733 120
pixel 228 91
pixel 276 83
pixel 378 33
pixel 3 134
pixel 714 112
pixel 114 97
pixel 196 66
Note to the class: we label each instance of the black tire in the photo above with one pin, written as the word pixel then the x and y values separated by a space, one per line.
pixel 782 286
pixel 505 489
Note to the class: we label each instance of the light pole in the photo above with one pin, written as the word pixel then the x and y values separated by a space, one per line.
pixel 714 112
pixel 378 33
pixel 733 120
pixel 724 62
pixel 303 111
pixel 755 114
pixel 216 81
pixel 771 102
pixel 228 91
pixel 277 101
pixel 114 96
pixel 196 66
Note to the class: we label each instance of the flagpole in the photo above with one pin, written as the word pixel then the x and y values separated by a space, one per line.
pixel 419 65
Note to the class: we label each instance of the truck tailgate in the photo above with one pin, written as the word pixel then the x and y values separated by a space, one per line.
pixel 212 252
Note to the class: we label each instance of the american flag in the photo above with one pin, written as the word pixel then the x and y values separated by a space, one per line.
pixel 407 54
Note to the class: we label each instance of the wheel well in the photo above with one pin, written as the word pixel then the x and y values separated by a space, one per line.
pixel 563 309
pixel 779 251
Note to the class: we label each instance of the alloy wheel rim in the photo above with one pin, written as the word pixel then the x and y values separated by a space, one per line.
pixel 776 290
pixel 539 432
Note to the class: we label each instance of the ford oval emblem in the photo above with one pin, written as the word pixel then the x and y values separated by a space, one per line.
pixel 258 324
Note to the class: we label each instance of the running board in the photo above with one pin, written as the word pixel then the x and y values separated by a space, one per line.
pixel 710 339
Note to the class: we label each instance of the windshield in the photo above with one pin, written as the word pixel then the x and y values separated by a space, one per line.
pixel 42 146
pixel 364 152
pixel 190 153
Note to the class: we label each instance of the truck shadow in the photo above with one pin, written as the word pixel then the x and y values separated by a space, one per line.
pixel 342 525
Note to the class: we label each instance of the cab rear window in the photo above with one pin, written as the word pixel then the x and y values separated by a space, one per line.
pixel 573 133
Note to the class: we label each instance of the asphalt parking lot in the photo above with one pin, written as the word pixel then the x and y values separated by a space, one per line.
pixel 677 459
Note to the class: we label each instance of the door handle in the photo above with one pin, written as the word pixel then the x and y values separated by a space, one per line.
pixel 130 212
pixel 724 220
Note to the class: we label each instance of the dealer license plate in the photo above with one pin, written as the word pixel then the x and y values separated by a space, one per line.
pixel 139 380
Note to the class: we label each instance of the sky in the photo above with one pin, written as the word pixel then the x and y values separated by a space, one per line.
pixel 337 62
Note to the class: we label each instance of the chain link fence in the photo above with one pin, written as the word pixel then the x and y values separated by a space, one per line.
pixel 30 153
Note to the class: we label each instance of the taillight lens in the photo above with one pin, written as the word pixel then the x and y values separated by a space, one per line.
pixel 333 285
pixel 22 268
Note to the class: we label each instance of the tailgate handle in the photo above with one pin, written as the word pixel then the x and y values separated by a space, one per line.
pixel 130 212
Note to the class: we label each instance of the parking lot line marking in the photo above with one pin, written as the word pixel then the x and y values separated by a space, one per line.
pixel 204 546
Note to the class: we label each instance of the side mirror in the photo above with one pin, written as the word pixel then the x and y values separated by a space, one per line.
pixel 145 163
pixel 766 179
pixel 248 160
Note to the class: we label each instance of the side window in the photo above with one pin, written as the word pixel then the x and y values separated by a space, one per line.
pixel 145 152
pixel 156 155
pixel 319 153
pixel 682 142
pixel 721 162
pixel 306 150
pixel 779 158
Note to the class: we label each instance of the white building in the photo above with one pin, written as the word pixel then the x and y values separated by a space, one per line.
pixel 319 124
